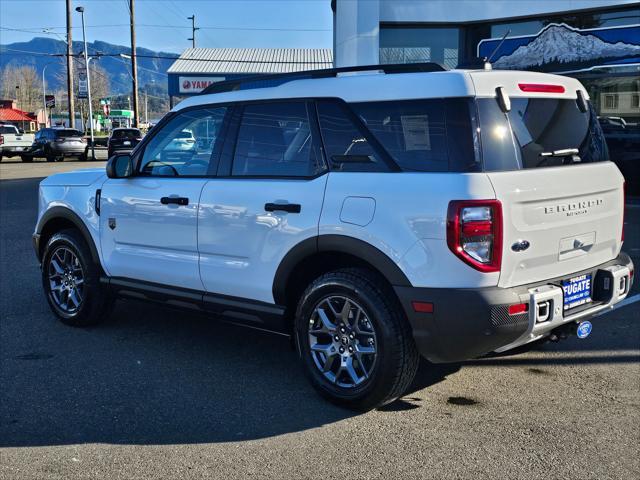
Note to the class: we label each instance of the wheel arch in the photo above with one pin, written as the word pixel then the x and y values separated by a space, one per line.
pixel 314 256
pixel 60 218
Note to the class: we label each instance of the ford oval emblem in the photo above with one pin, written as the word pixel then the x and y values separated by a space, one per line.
pixel 520 246
pixel 584 329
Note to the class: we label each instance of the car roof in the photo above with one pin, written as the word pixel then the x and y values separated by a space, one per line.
pixel 125 128
pixel 375 86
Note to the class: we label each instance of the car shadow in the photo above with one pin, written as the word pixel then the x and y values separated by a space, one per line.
pixel 157 376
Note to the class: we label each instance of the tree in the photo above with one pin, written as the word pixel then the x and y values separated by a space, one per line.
pixel 28 94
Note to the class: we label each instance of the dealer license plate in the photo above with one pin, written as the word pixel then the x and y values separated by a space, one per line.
pixel 577 291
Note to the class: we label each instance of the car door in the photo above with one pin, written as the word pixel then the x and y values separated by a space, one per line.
pixel 266 199
pixel 148 222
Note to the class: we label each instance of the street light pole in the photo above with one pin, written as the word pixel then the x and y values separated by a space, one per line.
pixel 44 96
pixel 86 64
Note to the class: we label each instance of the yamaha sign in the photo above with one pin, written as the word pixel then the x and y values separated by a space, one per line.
pixel 192 85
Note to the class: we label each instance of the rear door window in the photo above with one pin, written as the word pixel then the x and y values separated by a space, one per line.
pixel 275 140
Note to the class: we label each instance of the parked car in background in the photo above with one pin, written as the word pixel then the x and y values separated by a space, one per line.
pixel 183 141
pixel 55 144
pixel 623 140
pixel 14 143
pixel 122 140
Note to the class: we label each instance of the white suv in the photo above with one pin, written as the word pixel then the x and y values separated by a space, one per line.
pixel 375 216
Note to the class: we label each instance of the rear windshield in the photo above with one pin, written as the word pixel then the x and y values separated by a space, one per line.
pixel 8 130
pixel 131 133
pixel 433 135
pixel 68 133
pixel 538 132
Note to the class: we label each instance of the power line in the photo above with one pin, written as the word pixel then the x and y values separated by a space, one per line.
pixel 166 57
pixel 152 25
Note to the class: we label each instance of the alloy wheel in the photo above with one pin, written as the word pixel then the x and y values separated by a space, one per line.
pixel 342 341
pixel 66 280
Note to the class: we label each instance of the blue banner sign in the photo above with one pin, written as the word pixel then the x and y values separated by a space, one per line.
pixel 561 48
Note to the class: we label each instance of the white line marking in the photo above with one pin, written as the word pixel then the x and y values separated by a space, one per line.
pixel 623 303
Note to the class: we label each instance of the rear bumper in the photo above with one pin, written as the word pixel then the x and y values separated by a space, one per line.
pixel 467 323
pixel 69 150
pixel 10 151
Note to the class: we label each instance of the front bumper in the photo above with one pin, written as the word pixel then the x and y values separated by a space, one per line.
pixel 468 323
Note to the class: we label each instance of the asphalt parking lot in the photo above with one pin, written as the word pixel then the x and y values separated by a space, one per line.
pixel 157 393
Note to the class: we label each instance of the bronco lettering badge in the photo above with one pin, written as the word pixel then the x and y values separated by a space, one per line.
pixel 571 209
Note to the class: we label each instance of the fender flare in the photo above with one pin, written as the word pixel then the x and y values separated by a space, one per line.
pixel 65 213
pixel 336 243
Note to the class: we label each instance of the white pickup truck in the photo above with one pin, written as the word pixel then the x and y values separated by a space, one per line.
pixel 14 144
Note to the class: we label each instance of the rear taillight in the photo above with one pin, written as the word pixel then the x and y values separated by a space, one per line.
pixel 624 208
pixel 474 233
pixel 1 139
pixel 541 88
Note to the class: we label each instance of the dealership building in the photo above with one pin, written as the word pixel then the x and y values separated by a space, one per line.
pixel 596 41
pixel 197 68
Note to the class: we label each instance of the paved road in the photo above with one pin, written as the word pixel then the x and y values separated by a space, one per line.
pixel 156 393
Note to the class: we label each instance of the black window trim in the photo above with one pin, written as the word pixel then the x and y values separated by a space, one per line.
pixel 220 167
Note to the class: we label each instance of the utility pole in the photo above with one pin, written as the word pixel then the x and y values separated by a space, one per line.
pixel 71 102
pixel 134 64
pixel 193 30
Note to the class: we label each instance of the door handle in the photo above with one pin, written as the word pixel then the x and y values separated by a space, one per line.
pixel 174 200
pixel 284 207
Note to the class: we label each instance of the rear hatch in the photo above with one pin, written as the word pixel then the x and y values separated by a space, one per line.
pixel 70 137
pixel 562 200
pixel 124 139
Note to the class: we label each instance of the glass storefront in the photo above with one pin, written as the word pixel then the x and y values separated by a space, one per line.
pixel 411 45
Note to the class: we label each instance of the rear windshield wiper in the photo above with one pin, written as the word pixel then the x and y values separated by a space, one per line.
pixel 565 152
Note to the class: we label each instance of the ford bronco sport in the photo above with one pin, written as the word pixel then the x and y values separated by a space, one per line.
pixel 374 214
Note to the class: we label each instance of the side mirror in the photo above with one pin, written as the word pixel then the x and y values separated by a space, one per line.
pixel 119 166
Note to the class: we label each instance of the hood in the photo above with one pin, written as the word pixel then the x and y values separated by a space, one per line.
pixel 75 178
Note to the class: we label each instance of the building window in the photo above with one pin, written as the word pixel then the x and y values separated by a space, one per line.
pixel 610 101
pixel 419 44
pixel 635 100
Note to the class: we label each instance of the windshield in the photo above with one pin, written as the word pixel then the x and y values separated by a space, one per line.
pixel 130 134
pixel 539 132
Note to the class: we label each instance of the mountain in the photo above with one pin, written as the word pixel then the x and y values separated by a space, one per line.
pixel 559 44
pixel 34 52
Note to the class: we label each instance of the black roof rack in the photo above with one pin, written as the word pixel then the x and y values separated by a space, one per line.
pixel 270 80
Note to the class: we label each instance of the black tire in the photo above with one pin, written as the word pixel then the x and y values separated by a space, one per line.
pixel 83 157
pixel 26 158
pixel 96 302
pixel 396 359
pixel 48 155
